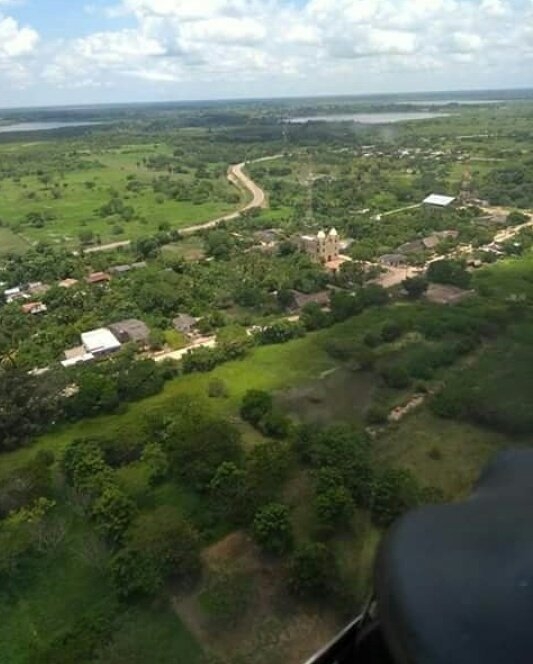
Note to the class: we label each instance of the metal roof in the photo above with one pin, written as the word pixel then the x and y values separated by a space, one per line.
pixel 100 341
pixel 439 200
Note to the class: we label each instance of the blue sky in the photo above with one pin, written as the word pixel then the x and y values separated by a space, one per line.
pixel 90 51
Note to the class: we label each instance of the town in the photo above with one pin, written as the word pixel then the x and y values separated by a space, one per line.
pixel 235 347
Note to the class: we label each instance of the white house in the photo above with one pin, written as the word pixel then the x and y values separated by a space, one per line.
pixel 100 342
pixel 439 201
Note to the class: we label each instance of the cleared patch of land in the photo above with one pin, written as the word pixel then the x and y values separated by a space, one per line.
pixel 10 242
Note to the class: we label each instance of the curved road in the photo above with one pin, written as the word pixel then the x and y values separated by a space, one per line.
pixel 239 179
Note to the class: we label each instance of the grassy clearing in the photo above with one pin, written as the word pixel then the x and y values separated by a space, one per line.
pixel 271 368
pixel 82 192
pixel 11 242
pixel 189 249
pixel 441 453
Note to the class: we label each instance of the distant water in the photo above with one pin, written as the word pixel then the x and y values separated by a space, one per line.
pixel 369 118
pixel 42 126
pixel 448 102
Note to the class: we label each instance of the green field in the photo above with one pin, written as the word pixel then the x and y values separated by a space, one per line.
pixel 11 243
pixel 71 199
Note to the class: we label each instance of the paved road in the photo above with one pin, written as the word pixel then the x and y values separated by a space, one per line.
pixel 237 177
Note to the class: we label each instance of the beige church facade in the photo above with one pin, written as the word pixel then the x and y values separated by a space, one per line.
pixel 321 248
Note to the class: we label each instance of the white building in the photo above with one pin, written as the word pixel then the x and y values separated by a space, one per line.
pixel 439 201
pixel 100 342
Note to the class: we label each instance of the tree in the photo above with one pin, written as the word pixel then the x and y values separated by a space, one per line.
pixel 312 571
pixel 449 272
pixel 229 491
pixel 344 305
pixel 395 492
pixel 285 298
pixel 168 540
pixel 26 484
pixel 272 529
pixel 374 296
pixel 86 236
pixel 113 512
pixel 333 507
pixel 217 388
pixel 415 287
pixel 390 332
pixel 313 317
pixel 396 377
pixel 196 448
pixel 268 466
pixel 515 218
pixel 255 405
pixel 157 461
pixel 134 573
pixel 27 404
pixel 84 466
pixel 97 393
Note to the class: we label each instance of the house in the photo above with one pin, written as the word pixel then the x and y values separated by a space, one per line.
pixel 37 288
pixel 184 323
pixel 77 355
pixel 100 342
pixel 98 278
pixel 301 299
pixel 393 260
pixel 267 237
pixel 412 247
pixel 13 294
pixel 438 201
pixel 436 238
pixel 34 308
pixel 120 269
pixel 321 248
pixel 131 330
pixel 68 283
pixel 431 242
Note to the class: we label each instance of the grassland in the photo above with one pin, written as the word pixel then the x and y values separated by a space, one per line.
pixel 71 199
pixel 10 242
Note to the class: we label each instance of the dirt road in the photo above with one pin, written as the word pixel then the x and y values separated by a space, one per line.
pixel 239 179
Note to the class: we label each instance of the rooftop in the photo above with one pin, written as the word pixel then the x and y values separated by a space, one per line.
pixel 98 277
pixel 439 200
pixel 100 341
pixel 184 322
pixel 68 283
pixel 133 329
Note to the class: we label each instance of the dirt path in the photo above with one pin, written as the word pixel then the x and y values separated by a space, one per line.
pixel 239 179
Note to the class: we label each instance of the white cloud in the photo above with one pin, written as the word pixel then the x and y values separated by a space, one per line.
pixel 14 39
pixel 269 45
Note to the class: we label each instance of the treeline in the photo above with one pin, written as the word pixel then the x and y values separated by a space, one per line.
pixel 31 405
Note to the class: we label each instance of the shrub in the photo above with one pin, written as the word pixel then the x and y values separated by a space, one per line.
pixel 256 404
pixel 272 528
pixel 217 389
pixel 312 571
pixel 377 414
pixel 396 377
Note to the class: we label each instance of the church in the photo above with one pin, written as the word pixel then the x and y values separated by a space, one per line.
pixel 321 248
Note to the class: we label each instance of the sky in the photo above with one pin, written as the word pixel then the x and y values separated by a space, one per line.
pixel 55 52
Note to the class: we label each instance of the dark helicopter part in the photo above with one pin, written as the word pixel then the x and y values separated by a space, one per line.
pixel 454 583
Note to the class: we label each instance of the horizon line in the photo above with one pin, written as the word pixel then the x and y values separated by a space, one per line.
pixel 265 99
